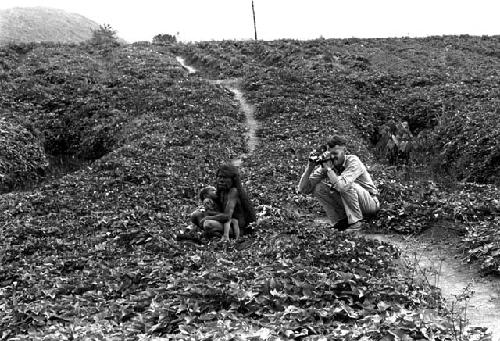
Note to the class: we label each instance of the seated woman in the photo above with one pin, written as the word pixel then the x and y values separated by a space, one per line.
pixel 237 211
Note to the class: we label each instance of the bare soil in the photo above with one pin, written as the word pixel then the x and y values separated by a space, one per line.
pixel 436 257
pixel 251 123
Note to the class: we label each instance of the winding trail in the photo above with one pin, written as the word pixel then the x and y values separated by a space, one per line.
pixel 189 69
pixel 234 85
pixel 436 265
pixel 431 263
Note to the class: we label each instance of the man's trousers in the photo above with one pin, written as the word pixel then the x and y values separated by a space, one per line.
pixel 352 203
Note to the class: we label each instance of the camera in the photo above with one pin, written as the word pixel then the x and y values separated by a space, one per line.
pixel 320 155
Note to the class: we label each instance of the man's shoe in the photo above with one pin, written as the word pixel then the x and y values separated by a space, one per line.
pixel 341 225
pixel 355 227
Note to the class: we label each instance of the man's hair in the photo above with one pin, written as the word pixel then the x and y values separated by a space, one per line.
pixel 336 140
pixel 204 192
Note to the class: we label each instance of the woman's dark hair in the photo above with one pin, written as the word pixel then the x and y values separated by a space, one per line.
pixel 232 172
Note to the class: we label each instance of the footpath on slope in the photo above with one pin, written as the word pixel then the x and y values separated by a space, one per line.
pixel 467 294
pixel 251 123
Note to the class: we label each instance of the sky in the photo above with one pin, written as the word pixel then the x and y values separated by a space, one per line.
pixel 194 20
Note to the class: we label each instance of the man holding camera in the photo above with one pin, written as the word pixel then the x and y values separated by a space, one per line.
pixel 341 183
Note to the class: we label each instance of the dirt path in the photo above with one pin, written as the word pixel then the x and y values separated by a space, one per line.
pixel 435 262
pixel 444 271
pixel 454 278
pixel 181 61
pixel 251 124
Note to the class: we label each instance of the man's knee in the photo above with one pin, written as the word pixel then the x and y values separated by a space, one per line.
pixel 350 189
pixel 321 190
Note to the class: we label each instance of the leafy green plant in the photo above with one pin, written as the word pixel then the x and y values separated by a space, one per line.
pixel 164 39
pixel 104 36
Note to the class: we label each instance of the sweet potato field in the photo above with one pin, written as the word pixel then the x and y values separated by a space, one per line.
pixel 94 254
pixel 446 88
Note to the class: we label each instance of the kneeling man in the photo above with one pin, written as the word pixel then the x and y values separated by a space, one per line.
pixel 342 185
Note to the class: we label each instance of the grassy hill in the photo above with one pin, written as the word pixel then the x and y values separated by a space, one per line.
pixel 94 254
pixel 36 24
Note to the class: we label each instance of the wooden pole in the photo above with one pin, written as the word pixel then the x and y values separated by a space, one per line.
pixel 254 25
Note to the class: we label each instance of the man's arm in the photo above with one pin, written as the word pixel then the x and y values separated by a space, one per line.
pixel 310 179
pixel 343 181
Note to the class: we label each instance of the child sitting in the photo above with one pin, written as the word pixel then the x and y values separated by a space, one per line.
pixel 209 207
pixel 208 198
pixel 208 195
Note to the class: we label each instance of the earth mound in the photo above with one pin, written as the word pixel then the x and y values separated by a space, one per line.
pixel 37 24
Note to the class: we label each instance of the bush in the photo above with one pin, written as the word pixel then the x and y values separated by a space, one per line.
pixel 164 39
pixel 22 157
pixel 104 36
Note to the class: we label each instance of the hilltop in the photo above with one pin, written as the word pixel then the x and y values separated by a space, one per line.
pixel 36 24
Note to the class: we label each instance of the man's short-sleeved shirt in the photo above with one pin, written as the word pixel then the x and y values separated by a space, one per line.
pixel 351 171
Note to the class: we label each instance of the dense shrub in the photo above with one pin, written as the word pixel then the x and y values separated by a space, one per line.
pixel 105 35
pixel 79 98
pixel 164 39
pixel 22 157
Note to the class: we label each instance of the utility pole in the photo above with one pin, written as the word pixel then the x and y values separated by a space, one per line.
pixel 254 25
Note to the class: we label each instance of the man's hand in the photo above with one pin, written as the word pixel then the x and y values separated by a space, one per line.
pixel 311 165
pixel 327 165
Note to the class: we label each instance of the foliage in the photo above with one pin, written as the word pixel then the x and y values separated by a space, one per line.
pixel 22 157
pixel 446 88
pixel 93 254
pixel 78 104
pixel 140 194
pixel 104 36
pixel 164 39
pixel 395 142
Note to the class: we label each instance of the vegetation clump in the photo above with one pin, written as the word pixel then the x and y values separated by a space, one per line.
pixel 105 35
pixel 164 39
pixel 22 157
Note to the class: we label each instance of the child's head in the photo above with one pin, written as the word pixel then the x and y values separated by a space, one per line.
pixel 208 192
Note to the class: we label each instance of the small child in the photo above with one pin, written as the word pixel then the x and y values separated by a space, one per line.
pixel 208 206
pixel 208 197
